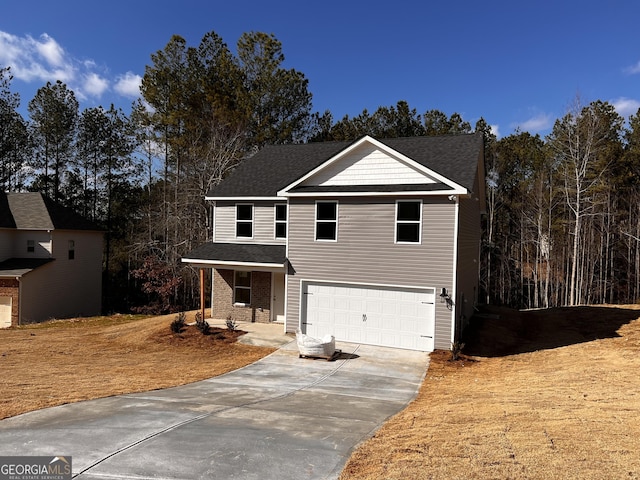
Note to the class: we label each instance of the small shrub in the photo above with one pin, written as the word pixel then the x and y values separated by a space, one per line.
pixel 178 324
pixel 231 324
pixel 456 350
pixel 202 325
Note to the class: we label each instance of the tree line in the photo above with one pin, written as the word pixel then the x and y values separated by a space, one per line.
pixel 562 224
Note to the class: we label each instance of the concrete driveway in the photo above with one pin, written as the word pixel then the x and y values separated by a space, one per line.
pixel 279 418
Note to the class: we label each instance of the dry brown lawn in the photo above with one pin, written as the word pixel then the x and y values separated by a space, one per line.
pixel 541 395
pixel 71 360
pixel 538 395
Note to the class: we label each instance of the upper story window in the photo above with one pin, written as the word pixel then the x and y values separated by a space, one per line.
pixel 244 220
pixel 72 249
pixel 281 221
pixel 327 221
pixel 408 221
pixel 31 246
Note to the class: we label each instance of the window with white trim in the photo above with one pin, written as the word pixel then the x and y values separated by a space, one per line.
pixel 281 221
pixel 408 221
pixel 244 220
pixel 242 288
pixel 327 221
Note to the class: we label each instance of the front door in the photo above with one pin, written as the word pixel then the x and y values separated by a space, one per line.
pixel 277 297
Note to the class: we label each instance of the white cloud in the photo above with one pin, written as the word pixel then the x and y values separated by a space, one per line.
pixel 495 129
pixel 626 106
pixel 536 124
pixel 633 69
pixel 94 85
pixel 128 85
pixel 49 50
pixel 43 59
pixel 33 59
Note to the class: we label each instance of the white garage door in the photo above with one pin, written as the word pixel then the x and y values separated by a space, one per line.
pixel 390 317
pixel 5 312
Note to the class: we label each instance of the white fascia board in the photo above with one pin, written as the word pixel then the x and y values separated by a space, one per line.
pixel 389 151
pixel 461 191
pixel 421 288
pixel 244 265
pixel 246 199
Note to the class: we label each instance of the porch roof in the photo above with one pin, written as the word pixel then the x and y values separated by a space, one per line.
pixel 17 267
pixel 238 255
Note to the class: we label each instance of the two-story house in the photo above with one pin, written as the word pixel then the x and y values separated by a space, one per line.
pixel 50 261
pixel 372 241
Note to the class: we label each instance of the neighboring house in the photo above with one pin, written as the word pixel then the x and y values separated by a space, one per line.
pixel 50 261
pixel 372 241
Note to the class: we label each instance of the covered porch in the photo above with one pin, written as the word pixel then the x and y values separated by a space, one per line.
pixel 248 280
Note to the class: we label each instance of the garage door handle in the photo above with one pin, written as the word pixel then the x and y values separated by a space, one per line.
pixel 426 336
pixel 364 317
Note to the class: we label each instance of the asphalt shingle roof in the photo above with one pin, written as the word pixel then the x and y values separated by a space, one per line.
pixel 243 253
pixel 275 167
pixel 17 267
pixel 34 211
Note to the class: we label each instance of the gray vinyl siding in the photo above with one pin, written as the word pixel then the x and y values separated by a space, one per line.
pixel 365 251
pixel 263 222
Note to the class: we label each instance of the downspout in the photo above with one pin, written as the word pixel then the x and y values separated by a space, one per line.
pixel 454 286
pixel 286 273
pixel 19 300
pixel 202 309
pixel 213 237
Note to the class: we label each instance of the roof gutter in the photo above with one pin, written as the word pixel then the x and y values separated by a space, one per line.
pixel 255 266
pixel 258 198
pixel 396 193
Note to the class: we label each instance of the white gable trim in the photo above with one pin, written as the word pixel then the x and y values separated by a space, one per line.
pixel 285 192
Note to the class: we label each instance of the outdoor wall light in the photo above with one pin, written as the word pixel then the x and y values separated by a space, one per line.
pixel 445 297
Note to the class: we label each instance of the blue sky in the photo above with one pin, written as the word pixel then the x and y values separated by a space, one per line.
pixel 517 64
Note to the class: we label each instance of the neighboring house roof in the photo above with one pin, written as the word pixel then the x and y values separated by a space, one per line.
pixel 6 219
pixel 236 253
pixel 276 167
pixel 17 267
pixel 34 211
